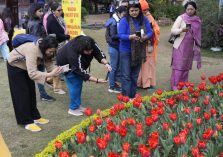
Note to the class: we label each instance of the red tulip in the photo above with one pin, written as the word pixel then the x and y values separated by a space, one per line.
pixel 125 99
pixel 213 111
pixel 197 94
pixel 111 127
pixel 139 132
pixel 203 77
pixel 170 102
pixel 92 128
pixel 80 137
pixel 220 94
pixel 108 120
pixel 189 125
pixel 159 103
pixel 176 140
pixel 98 112
pixel 113 154
pixel 112 112
pixel 122 132
pixel 149 121
pixel 159 91
pixel 58 144
pixel 201 144
pixel 173 116
pixel 101 143
pixel 187 110
pixel 207 116
pixel 64 154
pixel 88 111
pixel 126 146
pixel 195 152
pixel 98 121
pixel 166 126
pixel 107 137
pixel 206 100
pixel 198 121
pixel 194 100
pixel 208 133
pixel 213 80
pixel 124 154
pixel 153 143
pixel 190 89
pixel 153 99
pixel 120 97
pixel 136 104
pixel 197 109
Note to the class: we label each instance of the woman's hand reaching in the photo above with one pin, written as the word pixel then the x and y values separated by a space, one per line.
pixel 108 66
pixel 134 37
pixel 55 72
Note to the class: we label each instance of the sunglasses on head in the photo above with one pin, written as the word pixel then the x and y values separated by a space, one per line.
pixel 133 2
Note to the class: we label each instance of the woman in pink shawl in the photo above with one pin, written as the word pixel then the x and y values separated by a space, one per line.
pixel 186 48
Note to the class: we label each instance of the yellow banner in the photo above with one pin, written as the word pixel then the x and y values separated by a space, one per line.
pixel 72 16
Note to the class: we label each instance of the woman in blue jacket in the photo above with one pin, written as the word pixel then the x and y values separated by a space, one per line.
pixel 134 32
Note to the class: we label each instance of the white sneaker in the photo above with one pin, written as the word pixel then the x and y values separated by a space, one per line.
pixel 60 91
pixel 81 109
pixel 76 112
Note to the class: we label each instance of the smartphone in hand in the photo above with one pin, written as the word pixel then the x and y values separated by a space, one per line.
pixel 188 25
pixel 65 68
pixel 138 33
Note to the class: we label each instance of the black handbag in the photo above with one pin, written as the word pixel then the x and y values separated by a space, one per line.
pixel 173 38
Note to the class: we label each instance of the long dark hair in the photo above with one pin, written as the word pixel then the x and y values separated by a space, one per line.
pixel 140 17
pixel 81 43
pixel 46 43
pixel 32 10
pixel 54 6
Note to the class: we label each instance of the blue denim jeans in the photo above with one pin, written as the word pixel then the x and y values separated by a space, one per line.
pixel 74 85
pixel 4 50
pixel 41 88
pixel 129 75
pixel 114 74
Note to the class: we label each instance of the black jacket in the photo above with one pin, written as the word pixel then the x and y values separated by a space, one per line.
pixel 54 27
pixel 78 62
pixel 35 27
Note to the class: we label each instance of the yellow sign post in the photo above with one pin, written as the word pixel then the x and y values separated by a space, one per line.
pixel 72 16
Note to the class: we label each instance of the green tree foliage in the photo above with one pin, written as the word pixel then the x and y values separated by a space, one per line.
pixel 163 8
pixel 208 11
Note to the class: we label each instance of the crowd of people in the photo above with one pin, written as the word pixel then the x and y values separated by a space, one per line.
pixel 132 35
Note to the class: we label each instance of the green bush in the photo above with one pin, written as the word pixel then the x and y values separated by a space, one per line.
pixel 208 11
pixel 166 10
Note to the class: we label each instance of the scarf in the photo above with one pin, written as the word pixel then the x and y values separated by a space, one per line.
pixel 138 48
pixel 195 22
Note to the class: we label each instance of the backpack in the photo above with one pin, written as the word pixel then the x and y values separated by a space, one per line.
pixel 23 38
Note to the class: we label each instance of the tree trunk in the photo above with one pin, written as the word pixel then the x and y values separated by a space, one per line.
pixel 96 6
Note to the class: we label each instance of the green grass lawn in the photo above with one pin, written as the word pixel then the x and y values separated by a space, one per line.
pixel 209 53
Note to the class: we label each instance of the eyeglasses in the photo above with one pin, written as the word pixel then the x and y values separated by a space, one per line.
pixel 59 10
pixel 133 2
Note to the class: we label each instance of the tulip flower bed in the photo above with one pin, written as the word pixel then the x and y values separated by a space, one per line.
pixel 182 123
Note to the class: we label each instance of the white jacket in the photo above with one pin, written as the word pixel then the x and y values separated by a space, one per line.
pixel 176 29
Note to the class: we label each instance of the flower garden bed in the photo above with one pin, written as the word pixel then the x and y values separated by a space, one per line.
pixel 168 124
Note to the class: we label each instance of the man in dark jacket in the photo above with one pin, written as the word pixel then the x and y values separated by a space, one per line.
pixel 78 53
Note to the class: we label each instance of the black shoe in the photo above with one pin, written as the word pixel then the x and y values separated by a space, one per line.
pixel 47 98
pixel 115 90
